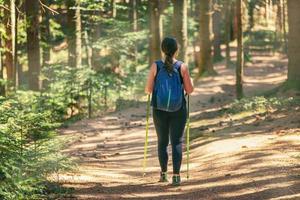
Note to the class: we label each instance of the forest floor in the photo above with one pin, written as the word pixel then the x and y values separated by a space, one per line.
pixel 243 156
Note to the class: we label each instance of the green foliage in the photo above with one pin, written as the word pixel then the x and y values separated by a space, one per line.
pixel 260 38
pixel 66 97
pixel 260 103
pixel 55 30
pixel 117 45
pixel 29 152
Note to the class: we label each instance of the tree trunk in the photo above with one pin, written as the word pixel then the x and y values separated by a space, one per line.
pixel 33 45
pixel 20 77
pixel 251 6
pixel 71 33
pixel 271 10
pixel 279 17
pixel 113 8
pixel 205 35
pixel 180 27
pixel 134 28
pixel 234 24
pixel 217 17
pixel 14 41
pixel 294 42
pixel 16 63
pixel 155 30
pixel 96 33
pixel 228 18
pixel 196 42
pixel 133 15
pixel 284 14
pixel 267 17
pixel 8 59
pixel 78 35
pixel 240 52
pixel 45 37
pixel 10 44
pixel 2 87
pixel 278 24
pixel 88 49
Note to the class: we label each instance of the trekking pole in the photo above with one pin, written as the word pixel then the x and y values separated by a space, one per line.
pixel 146 139
pixel 188 138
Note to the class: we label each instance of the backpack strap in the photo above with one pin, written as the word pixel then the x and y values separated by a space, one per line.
pixel 160 64
pixel 179 63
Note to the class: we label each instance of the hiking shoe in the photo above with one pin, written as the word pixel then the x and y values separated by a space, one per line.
pixel 163 177
pixel 176 180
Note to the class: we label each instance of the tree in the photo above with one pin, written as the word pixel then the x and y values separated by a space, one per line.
pixel 96 33
pixel 78 51
pixel 71 32
pixel 228 25
pixel 155 30
pixel 240 51
pixel 17 67
pixel 217 18
pixel 45 37
pixel 133 14
pixel 33 44
pixel 251 7
pixel 205 37
pixel 196 42
pixel 113 8
pixel 10 43
pixel 294 42
pixel 284 25
pixel 134 25
pixel 2 87
pixel 279 19
pixel 268 11
pixel 180 27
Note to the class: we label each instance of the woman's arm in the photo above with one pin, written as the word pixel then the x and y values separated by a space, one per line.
pixel 150 80
pixel 187 81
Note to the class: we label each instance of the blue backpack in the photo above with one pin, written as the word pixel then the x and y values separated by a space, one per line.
pixel 168 91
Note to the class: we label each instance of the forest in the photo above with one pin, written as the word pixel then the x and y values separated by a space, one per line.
pixel 73 106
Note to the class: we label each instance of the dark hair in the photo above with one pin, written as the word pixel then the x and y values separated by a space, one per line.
pixel 169 46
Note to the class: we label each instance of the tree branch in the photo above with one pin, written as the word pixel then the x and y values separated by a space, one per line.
pixel 47 7
pixel 2 6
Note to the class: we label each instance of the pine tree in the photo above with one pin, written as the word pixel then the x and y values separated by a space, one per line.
pixel 294 42
pixel 180 27
pixel 240 51
pixel 33 44
pixel 205 37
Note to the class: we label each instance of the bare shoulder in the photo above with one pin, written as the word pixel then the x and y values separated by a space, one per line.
pixel 153 65
pixel 153 68
pixel 184 68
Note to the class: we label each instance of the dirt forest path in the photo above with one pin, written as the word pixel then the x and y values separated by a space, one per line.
pixel 243 161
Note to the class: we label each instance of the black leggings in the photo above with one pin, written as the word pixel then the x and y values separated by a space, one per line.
pixel 170 124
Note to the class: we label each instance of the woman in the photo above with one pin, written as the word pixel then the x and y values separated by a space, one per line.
pixel 170 117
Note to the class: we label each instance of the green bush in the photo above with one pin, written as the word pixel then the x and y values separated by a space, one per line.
pixel 29 150
pixel 261 103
